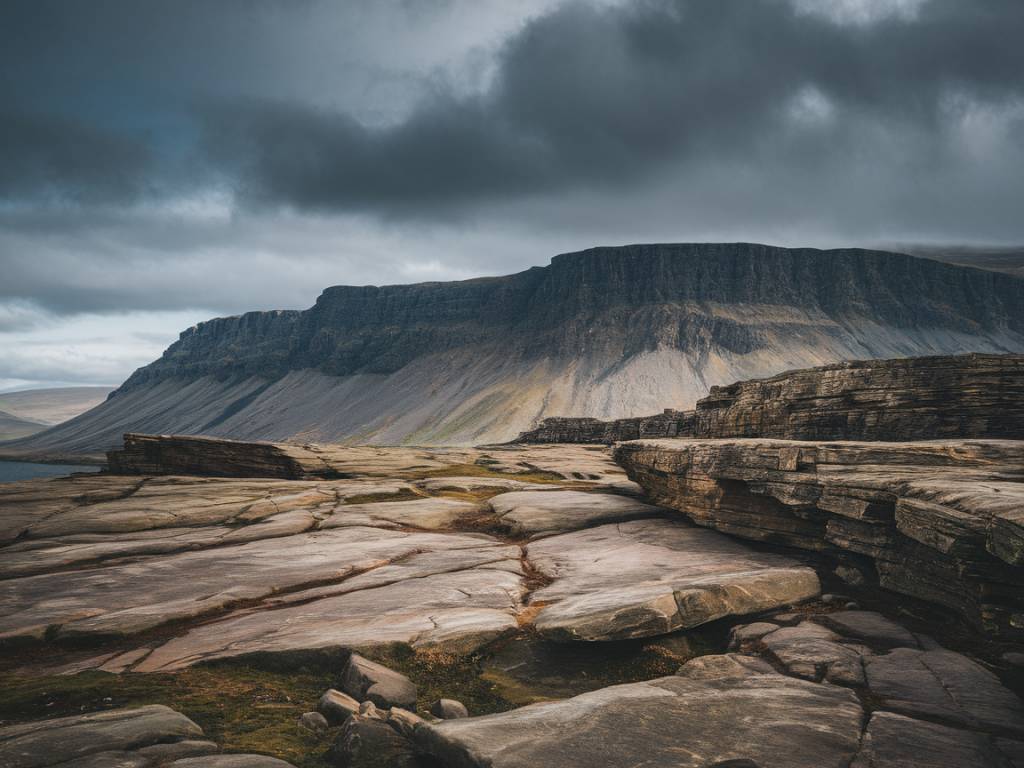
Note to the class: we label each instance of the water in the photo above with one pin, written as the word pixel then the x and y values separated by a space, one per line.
pixel 11 471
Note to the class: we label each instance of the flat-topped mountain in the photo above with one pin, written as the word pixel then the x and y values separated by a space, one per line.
pixel 606 332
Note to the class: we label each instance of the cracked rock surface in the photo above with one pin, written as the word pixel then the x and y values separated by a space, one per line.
pixel 145 737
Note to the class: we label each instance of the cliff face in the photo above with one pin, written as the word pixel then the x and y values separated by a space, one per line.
pixel 937 520
pixel 605 333
pixel 918 398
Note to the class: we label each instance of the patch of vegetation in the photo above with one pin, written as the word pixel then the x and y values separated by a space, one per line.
pixel 241 708
pixel 440 675
pixel 406 494
pixel 478 470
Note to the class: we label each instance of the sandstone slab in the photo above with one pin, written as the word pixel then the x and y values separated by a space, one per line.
pixel 895 740
pixel 674 722
pixel 648 577
pixel 544 512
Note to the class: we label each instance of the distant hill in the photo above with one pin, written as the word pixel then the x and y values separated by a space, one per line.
pixel 998 259
pixel 607 332
pixel 52 406
pixel 11 427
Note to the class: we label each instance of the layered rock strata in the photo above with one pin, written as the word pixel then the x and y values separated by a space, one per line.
pixel 924 398
pixel 942 521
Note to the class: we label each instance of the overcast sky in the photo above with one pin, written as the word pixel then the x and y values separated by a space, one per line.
pixel 165 162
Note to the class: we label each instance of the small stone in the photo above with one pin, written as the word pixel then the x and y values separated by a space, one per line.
pixel 449 709
pixel 404 721
pixel 830 599
pixel 337 707
pixel 367 680
pixel 788 618
pixel 852 606
pixel 370 743
pixel 748 633
pixel 369 709
pixel 1014 658
pixel 850 575
pixel 313 721
pixel 871 627
pixel 725 666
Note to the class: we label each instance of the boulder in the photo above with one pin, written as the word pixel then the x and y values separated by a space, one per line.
pixel 366 742
pixel 313 721
pixel 723 666
pixel 811 651
pixel 367 680
pixel 448 709
pixel 337 707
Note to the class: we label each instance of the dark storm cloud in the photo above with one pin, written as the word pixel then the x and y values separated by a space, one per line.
pixel 47 156
pixel 168 161
pixel 605 95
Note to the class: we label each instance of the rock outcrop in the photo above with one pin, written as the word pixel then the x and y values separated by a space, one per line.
pixel 921 398
pixel 607 333
pixel 564 429
pixel 146 737
pixel 942 521
pixel 807 690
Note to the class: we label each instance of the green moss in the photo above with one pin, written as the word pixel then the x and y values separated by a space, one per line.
pixel 242 709
pixel 478 470
pixel 440 675
pixel 406 494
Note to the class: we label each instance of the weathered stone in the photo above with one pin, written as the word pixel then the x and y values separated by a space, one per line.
pixel 366 742
pixel 369 709
pixel 145 737
pixel 724 666
pixel 544 512
pixel 49 742
pixel 404 721
pixel 812 652
pixel 367 680
pixel 108 601
pixel 649 577
pixel 945 686
pixel 894 740
pixel 337 707
pixel 456 611
pixel 672 722
pixel 748 633
pixel 873 628
pixel 230 761
pixel 313 721
pixel 429 514
pixel 938 519
pixel 448 709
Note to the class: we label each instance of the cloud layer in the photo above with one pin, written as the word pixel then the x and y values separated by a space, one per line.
pixel 209 158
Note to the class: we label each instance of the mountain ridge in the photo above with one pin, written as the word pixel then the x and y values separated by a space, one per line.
pixel 606 332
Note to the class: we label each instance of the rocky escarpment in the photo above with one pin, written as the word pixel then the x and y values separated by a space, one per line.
pixel 904 399
pixel 606 333
pixel 942 521
pixel 566 429
pixel 187 455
